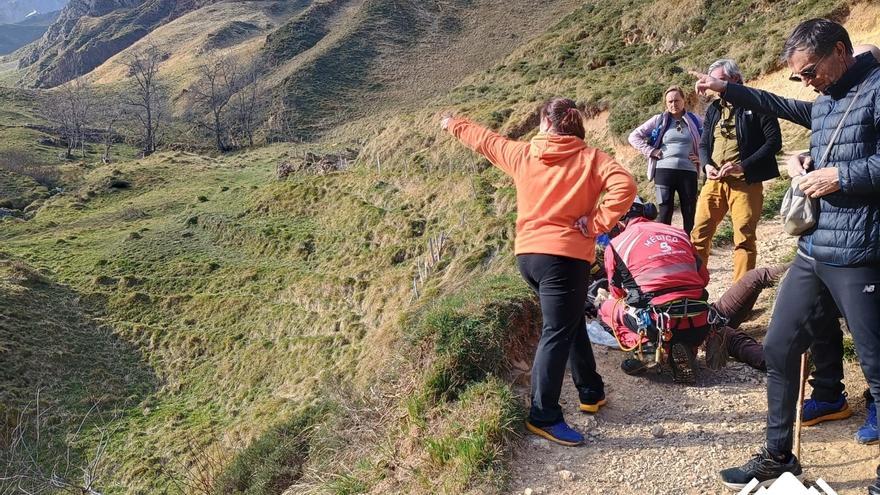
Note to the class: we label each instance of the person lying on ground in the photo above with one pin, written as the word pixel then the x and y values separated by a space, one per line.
pixel 567 193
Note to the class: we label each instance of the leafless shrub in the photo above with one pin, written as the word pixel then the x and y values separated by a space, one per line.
pixel 70 107
pixel 27 467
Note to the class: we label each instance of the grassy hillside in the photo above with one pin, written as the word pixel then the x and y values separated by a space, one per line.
pixel 345 332
pixel 252 301
pixel 332 62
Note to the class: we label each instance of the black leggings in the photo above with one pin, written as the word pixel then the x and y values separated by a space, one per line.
pixel 669 181
pixel 561 285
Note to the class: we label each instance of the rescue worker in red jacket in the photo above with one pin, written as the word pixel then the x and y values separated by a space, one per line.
pixel 674 276
pixel 657 286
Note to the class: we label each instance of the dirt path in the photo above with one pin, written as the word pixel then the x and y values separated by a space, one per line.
pixel 716 424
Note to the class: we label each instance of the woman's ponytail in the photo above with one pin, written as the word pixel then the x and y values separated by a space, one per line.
pixel 565 117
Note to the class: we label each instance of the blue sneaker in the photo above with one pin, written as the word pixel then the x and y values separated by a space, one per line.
pixel 815 412
pixel 867 434
pixel 560 433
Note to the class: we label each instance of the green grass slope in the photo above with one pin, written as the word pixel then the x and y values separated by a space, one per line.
pixel 616 56
pixel 254 301
pixel 346 332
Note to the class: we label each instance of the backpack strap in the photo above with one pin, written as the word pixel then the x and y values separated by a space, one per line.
pixel 662 119
pixel 695 120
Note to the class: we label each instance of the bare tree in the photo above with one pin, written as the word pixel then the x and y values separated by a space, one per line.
pixel 248 102
pixel 147 96
pixel 212 93
pixel 109 114
pixel 71 107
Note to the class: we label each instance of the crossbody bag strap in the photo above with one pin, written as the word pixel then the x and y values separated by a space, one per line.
pixel 840 126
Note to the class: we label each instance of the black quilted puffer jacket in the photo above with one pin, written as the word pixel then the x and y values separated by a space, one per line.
pixel 848 229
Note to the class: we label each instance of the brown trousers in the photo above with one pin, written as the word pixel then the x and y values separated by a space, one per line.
pixel 744 201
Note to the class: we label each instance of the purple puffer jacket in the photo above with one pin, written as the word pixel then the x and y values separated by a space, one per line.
pixel 639 137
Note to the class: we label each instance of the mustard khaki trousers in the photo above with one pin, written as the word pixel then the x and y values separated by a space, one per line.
pixel 744 201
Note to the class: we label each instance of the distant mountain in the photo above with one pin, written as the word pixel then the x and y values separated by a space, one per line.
pixel 14 11
pixel 15 36
pixel 88 32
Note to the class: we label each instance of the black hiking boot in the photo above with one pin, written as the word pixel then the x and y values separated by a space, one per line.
pixel 874 489
pixel 762 467
pixel 681 360
pixel 633 367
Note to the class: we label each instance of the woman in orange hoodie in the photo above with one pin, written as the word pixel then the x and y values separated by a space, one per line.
pixel 567 193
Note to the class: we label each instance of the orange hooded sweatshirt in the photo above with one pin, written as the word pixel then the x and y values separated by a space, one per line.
pixel 558 180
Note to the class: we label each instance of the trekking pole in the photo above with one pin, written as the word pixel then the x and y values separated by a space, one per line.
pixel 800 406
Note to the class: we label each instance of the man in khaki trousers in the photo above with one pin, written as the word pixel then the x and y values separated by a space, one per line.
pixel 738 151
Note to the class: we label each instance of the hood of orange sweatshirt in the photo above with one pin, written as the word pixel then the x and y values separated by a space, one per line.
pixel 553 149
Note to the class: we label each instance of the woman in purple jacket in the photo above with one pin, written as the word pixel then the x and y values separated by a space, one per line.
pixel 670 142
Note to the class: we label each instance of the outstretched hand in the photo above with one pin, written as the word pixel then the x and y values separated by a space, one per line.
pixel 706 82
pixel 445 117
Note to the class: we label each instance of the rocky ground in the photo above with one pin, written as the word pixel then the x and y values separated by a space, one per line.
pixel 656 437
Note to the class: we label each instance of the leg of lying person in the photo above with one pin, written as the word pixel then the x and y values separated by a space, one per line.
pixel 743 348
pixel 737 302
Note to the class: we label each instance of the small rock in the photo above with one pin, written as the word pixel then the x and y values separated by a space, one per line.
pixel 657 431
pixel 528 491
pixel 566 475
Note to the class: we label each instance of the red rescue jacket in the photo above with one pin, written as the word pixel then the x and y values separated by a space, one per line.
pixel 660 259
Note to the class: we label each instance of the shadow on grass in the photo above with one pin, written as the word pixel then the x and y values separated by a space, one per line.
pixel 53 346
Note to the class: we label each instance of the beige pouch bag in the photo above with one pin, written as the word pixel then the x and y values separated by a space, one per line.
pixel 800 213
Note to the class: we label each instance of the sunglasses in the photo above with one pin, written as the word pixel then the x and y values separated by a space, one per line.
pixel 678 126
pixel 808 73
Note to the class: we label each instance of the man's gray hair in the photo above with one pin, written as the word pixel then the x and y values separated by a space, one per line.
pixel 728 66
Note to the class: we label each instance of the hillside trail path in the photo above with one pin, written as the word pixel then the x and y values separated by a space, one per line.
pixel 715 424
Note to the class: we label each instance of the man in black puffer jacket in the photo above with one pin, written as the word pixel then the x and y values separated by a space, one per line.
pixel 840 256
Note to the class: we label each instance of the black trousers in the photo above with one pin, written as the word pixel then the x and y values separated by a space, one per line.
pixel 827 350
pixel 827 353
pixel 667 182
pixel 561 285
pixel 856 292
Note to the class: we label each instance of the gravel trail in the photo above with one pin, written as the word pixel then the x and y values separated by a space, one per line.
pixel 656 437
